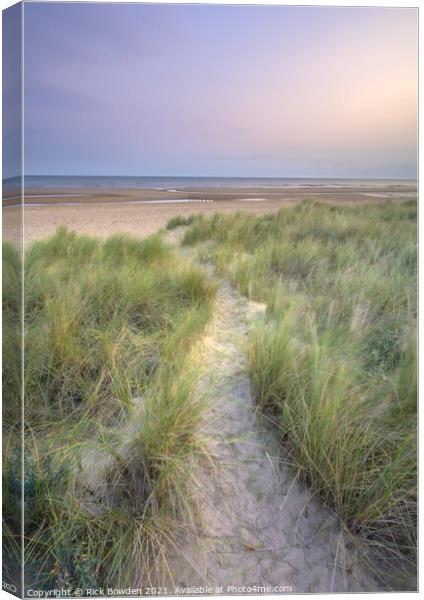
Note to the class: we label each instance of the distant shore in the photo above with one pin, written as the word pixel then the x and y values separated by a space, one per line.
pixel 143 211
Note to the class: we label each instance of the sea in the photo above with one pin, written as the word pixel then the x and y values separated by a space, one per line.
pixel 66 182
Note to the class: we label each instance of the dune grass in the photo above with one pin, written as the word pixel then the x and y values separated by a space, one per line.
pixel 111 425
pixel 334 363
pixel 179 221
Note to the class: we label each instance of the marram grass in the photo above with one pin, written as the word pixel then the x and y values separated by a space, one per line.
pixel 111 423
pixel 334 363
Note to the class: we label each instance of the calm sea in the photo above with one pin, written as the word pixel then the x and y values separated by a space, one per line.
pixel 181 183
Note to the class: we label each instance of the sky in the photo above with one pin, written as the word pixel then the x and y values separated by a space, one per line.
pixel 220 90
pixel 11 91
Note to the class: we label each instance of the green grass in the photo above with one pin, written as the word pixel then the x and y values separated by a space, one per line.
pixel 179 221
pixel 109 327
pixel 334 363
pixel 109 331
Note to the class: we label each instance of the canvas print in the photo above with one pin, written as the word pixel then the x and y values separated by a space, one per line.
pixel 209 299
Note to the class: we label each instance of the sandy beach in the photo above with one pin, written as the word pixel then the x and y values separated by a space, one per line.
pixel 141 212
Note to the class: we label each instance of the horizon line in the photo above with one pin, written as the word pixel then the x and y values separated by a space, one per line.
pixel 402 178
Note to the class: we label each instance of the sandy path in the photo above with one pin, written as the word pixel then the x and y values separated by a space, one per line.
pixel 259 525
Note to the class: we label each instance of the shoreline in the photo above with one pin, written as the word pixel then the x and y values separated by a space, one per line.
pixel 141 212
pixel 93 195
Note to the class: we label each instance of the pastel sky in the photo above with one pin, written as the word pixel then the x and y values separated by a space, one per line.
pixel 220 90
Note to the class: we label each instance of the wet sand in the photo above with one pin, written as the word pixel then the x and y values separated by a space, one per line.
pixel 143 211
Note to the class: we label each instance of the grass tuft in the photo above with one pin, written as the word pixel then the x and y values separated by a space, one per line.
pixel 179 221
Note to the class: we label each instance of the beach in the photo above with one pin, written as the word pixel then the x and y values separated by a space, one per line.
pixel 210 276
pixel 141 212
